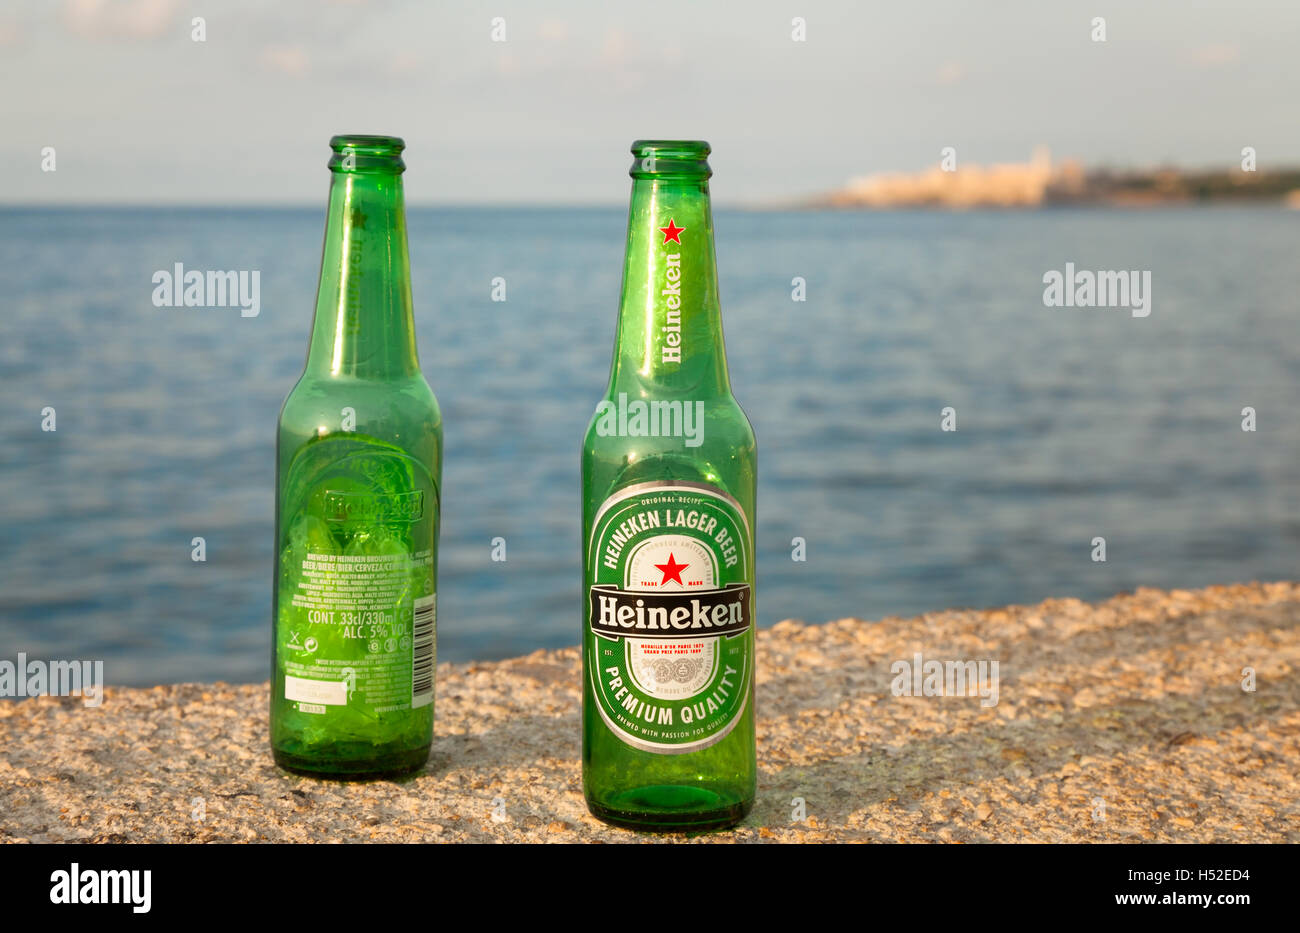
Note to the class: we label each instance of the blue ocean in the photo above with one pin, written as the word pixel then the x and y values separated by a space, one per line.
pixel 1071 423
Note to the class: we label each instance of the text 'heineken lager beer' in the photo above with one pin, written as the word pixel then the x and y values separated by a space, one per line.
pixel 358 471
pixel 668 486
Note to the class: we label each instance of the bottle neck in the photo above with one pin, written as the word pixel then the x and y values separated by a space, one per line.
pixel 364 324
pixel 670 326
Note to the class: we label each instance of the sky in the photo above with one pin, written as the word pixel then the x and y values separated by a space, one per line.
pixel 137 111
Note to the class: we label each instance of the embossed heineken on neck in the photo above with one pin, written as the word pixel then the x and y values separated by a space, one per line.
pixel 670 326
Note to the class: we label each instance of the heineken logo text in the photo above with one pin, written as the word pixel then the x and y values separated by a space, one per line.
pixel 649 519
pixel 374 507
pixel 616 612
pixel 672 293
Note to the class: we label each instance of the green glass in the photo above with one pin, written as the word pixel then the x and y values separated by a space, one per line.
pixel 358 481
pixel 668 518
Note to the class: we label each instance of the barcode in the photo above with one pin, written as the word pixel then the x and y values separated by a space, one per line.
pixel 422 650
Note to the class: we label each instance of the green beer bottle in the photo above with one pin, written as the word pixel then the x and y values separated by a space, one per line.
pixel 668 488
pixel 358 477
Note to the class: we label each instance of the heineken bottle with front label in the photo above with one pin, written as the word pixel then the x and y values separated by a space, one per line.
pixel 668 488
pixel 358 470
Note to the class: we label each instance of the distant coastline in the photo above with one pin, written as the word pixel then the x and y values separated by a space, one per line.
pixel 1041 183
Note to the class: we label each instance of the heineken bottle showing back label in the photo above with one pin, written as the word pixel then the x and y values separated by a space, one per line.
pixel 668 485
pixel 358 466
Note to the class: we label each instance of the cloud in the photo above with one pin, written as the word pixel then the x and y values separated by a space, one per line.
pixel 405 63
pixel 950 73
pixel 1213 56
pixel 615 49
pixel 286 59
pixel 554 30
pixel 119 19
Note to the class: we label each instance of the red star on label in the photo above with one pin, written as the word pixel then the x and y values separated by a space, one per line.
pixel 672 232
pixel 672 570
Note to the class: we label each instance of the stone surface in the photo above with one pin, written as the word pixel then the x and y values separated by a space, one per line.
pixel 1132 709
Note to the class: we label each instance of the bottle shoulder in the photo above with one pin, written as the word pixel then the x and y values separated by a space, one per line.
pixel 716 449
pixel 413 392
pixel 667 424
pixel 402 410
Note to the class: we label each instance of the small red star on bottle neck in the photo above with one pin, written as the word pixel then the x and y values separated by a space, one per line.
pixel 672 231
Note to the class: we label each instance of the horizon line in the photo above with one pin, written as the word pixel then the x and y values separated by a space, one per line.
pixel 322 205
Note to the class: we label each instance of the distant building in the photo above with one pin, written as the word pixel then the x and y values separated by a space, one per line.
pixel 1004 185
pixel 1037 183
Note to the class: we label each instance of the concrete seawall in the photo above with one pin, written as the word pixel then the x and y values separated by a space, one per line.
pixel 1122 721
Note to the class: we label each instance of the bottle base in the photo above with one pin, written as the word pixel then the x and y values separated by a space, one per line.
pixel 390 765
pixel 671 808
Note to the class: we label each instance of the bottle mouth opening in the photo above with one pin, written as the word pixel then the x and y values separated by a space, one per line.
pixel 360 153
pixel 660 158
